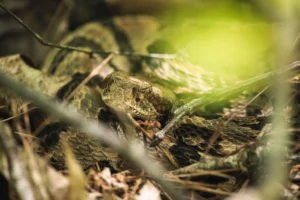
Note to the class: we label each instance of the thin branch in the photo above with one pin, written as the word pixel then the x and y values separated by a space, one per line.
pixel 73 48
pixel 214 96
pixel 93 129
pixel 196 186
pixel 17 115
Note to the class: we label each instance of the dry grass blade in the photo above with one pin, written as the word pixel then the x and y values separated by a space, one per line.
pixel 217 173
pixel 27 135
pixel 77 177
pixel 198 186
pixel 17 115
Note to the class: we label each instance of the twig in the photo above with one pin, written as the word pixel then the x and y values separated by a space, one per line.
pixel 93 129
pixel 214 96
pixel 197 186
pixel 72 48
pixel 14 116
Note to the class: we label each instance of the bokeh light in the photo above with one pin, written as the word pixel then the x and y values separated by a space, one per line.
pixel 226 38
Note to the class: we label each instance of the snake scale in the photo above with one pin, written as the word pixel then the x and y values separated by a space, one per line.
pixel 146 88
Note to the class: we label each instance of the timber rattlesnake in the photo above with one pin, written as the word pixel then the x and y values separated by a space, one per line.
pixel 125 93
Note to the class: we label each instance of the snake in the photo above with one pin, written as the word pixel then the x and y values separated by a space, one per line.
pixel 144 87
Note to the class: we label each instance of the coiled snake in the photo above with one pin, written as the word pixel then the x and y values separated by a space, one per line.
pixel 142 87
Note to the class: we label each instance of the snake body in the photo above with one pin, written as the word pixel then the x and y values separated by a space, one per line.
pixel 142 87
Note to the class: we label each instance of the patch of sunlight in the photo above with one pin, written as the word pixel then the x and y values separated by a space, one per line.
pixel 226 38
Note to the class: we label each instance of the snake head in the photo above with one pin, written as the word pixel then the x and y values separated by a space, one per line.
pixel 123 93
